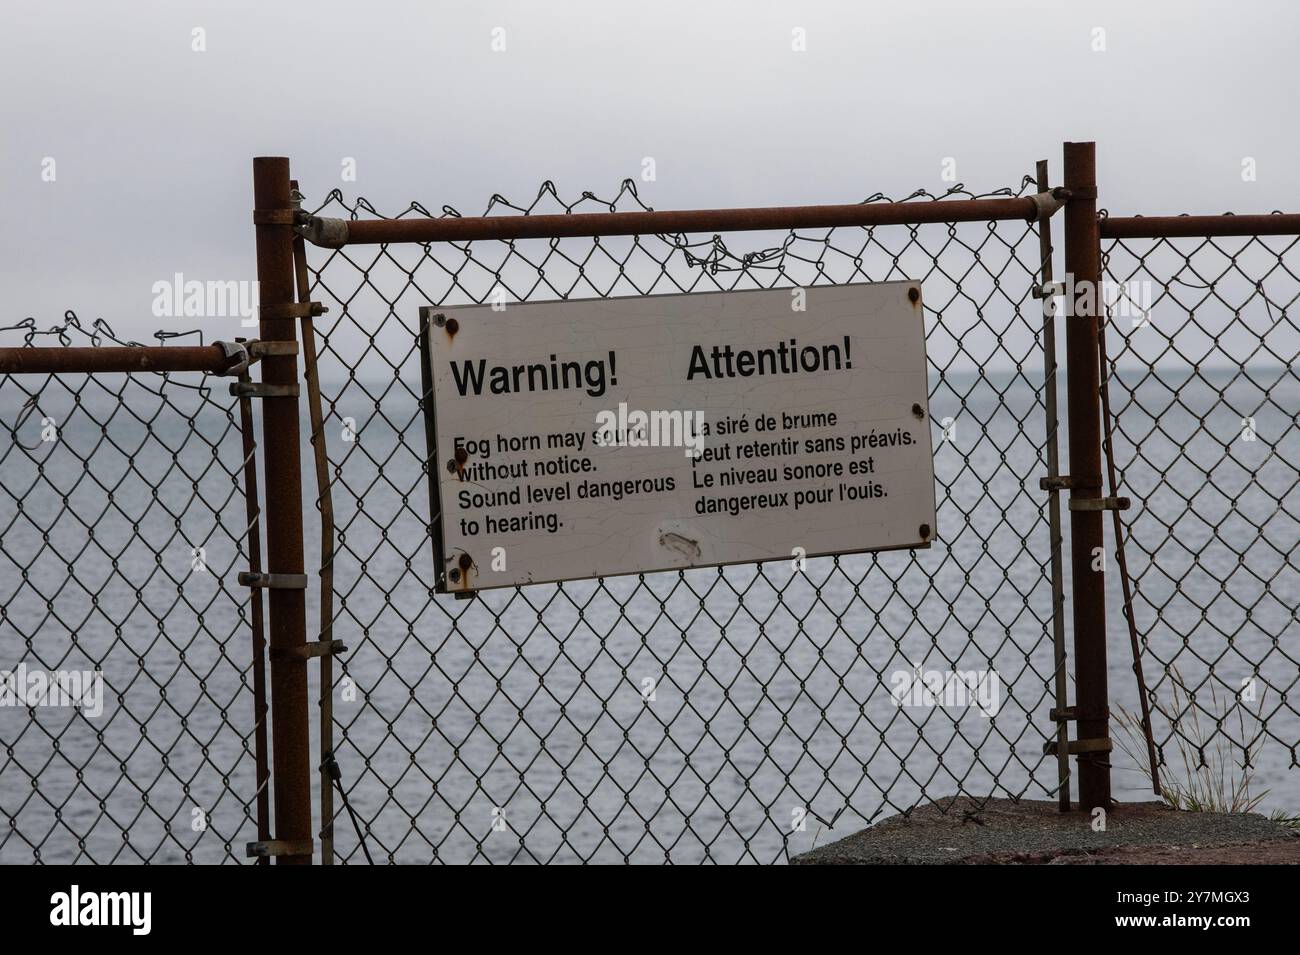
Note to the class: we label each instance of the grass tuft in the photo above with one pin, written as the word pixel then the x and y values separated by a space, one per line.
pixel 1209 779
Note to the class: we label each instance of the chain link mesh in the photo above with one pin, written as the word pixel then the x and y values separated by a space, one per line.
pixel 1202 348
pixel 512 727
pixel 731 714
pixel 122 523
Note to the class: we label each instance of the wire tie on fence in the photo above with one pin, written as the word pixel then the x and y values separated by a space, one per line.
pixel 260 389
pixel 280 847
pixel 273 581
pixel 1100 503
pixel 1049 290
pixel 285 310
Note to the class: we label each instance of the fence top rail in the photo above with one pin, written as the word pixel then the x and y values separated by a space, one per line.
pixel 1205 227
pixel 55 360
pixel 779 218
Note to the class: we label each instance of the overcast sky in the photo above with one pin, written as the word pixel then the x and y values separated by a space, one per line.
pixel 152 140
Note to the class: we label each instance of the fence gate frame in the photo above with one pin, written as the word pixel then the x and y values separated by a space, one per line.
pixel 280 223
pixel 231 359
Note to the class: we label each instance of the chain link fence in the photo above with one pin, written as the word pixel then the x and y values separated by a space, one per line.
pixel 724 715
pixel 122 530
pixel 738 714
pixel 1203 347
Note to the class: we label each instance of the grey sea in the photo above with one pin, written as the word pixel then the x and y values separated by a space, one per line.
pixel 737 715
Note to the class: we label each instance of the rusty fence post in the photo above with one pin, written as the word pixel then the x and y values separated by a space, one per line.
pixel 1083 290
pixel 1053 454
pixel 282 468
pixel 253 537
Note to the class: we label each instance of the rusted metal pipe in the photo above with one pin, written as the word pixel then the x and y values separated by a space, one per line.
pixel 126 358
pixel 290 741
pixel 1179 227
pixel 1083 263
pixel 1053 449
pixel 325 504
pixel 253 511
pixel 779 218
pixel 1126 587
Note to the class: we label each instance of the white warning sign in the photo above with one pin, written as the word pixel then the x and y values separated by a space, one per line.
pixel 579 439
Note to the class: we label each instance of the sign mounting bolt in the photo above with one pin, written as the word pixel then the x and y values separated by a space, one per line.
pixel 454 464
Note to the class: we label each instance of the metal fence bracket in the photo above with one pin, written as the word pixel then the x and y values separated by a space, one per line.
pixel 310 650
pixel 243 353
pixel 273 581
pixel 237 352
pixel 1065 482
pixel 326 233
pixel 283 310
pixel 1100 504
pixel 260 349
pixel 1078 746
pixel 260 389
pixel 1047 203
pixel 275 216
pixel 280 847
